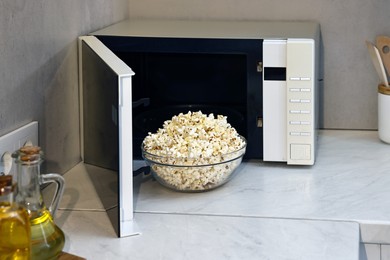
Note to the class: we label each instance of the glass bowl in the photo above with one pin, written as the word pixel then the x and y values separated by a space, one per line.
pixel 193 174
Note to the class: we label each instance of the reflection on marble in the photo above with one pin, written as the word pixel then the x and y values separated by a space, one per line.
pixel 80 193
pixel 349 181
pixel 171 236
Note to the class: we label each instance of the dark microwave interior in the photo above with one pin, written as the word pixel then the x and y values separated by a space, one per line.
pixel 175 76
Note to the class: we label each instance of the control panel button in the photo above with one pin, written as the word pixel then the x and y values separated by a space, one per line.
pixel 305 78
pixel 295 89
pixel 295 122
pixel 305 123
pixel 300 151
pixel 295 111
pixel 295 133
pixel 305 111
pixel 305 133
pixel 295 78
pixel 305 89
pixel 295 100
pixel 305 100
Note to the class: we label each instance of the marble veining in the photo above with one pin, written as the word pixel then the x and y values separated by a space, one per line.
pixel 349 181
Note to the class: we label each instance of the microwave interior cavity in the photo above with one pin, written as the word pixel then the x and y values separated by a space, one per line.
pixel 177 75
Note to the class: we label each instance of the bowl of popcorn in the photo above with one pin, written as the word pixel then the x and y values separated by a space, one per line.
pixel 194 152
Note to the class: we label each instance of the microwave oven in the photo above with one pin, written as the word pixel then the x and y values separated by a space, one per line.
pixel 136 74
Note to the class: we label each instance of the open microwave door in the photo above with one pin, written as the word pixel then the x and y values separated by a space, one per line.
pixel 106 130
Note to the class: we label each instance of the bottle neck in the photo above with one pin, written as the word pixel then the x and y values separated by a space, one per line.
pixel 29 194
pixel 6 199
pixel 6 191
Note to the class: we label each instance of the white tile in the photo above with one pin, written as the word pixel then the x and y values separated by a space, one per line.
pixel 374 233
pixel 385 252
pixel 370 252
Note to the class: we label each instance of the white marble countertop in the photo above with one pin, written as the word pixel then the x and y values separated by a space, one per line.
pixel 264 202
pixel 349 181
pixel 185 237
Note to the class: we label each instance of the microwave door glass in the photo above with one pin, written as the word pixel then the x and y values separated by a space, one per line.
pixel 107 126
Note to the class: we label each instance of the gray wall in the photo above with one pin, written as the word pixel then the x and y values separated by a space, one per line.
pixel 350 81
pixel 38 57
pixel 38 68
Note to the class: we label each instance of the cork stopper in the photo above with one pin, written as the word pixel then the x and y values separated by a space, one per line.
pixel 28 154
pixel 5 184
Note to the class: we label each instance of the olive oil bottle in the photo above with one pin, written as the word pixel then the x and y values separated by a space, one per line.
pixel 15 236
pixel 47 239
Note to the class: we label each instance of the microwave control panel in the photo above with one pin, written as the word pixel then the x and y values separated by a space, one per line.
pixel 289 128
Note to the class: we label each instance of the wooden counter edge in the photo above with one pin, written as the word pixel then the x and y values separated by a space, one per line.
pixel 67 256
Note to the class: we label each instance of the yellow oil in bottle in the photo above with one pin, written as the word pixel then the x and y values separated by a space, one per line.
pixel 47 239
pixel 15 241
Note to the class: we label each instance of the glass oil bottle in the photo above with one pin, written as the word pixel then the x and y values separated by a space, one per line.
pixel 15 236
pixel 46 237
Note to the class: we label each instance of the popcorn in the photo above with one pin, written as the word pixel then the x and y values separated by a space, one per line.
pixel 194 139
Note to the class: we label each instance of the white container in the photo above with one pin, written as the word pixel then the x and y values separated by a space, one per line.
pixel 384 113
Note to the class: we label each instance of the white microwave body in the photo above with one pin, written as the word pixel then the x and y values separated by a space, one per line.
pixel 287 94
